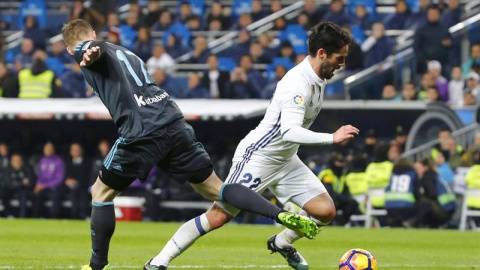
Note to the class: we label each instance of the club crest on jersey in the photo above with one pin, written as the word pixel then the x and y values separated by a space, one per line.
pixel 298 99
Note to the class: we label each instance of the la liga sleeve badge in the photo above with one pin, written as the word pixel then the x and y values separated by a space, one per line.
pixel 298 100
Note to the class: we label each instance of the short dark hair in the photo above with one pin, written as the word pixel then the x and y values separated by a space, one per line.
pixel 328 36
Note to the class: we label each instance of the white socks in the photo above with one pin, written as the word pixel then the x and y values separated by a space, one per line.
pixel 286 238
pixel 185 236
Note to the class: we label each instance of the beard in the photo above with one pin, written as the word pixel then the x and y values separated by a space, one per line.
pixel 326 71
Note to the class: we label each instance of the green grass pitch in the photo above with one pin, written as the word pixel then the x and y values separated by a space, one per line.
pixel 55 244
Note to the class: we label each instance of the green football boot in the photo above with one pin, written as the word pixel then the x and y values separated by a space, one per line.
pixel 300 224
pixel 294 259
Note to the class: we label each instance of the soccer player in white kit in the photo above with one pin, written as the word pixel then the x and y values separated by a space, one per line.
pixel 267 156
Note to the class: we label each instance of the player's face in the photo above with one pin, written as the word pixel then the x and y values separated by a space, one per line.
pixel 333 62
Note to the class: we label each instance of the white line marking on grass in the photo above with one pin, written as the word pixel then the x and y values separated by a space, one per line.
pixel 250 266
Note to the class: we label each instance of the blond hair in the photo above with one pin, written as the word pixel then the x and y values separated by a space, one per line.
pixel 76 31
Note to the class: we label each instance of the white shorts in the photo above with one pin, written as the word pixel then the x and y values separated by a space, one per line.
pixel 292 181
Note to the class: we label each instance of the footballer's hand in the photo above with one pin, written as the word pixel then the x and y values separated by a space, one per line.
pixel 345 133
pixel 90 56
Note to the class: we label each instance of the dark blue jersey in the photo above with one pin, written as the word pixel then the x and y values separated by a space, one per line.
pixel 137 105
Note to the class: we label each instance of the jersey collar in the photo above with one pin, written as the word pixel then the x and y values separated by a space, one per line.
pixel 312 73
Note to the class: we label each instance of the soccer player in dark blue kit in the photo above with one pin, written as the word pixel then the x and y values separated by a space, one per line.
pixel 152 132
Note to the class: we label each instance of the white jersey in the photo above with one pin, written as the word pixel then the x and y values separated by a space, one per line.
pixel 300 91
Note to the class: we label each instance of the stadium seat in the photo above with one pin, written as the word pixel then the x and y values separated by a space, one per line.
pixel 35 8
pixel 414 5
pixel 466 212
pixel 358 34
pixel 11 53
pixel 127 36
pixel 370 5
pixel 297 37
pixel 226 63
pixel 197 6
pixel 55 65
pixel 371 212
pixel 286 62
pixel 239 7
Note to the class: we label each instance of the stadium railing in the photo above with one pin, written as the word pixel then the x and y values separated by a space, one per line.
pixel 466 212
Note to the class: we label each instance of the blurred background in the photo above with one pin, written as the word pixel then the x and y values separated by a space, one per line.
pixel 411 85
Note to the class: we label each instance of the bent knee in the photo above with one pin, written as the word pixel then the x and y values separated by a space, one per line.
pixel 217 222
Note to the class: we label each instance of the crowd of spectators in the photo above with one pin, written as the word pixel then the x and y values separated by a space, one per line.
pixel 133 30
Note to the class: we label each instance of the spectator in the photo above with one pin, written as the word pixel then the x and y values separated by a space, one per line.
pixel 286 51
pixel 105 6
pixel 378 172
pixel 242 47
pixel 174 46
pixel 26 54
pixel 271 86
pixel 93 17
pixel 38 81
pixel 402 192
pixel 8 82
pixel 419 18
pixel 451 16
pixel 269 49
pixel 304 20
pixel 36 34
pixel 455 87
pixel 216 12
pixel 4 183
pixel 473 59
pixel 240 86
pixel 469 99
pixel 432 94
pixel 300 58
pixel 165 82
pixel 59 52
pixel 390 93
pixel 159 59
pixel 398 20
pixel 435 68
pixel 370 143
pixel 195 88
pixel 215 80
pixel 200 51
pixel 144 44
pixel 362 18
pixel 443 167
pixel 257 53
pixel 73 83
pixel 472 84
pixel 432 41
pixel 455 155
pixel 409 92
pixel 136 9
pixel 473 182
pixel 97 163
pixel 244 20
pixel 153 13
pixel 21 183
pixel 279 24
pixel 129 30
pixel 257 10
pixel 426 82
pixel 333 178
pixel 215 26
pixel 377 47
pixel 401 137
pixel 336 14
pixel 433 211
pixel 256 79
pixel 112 21
pixel 194 23
pixel 275 6
pixel 77 181
pixel 313 11
pixel 354 61
pixel 395 151
pixel 185 11
pixel 164 21
pixel 472 149
pixel 51 172
pixel 113 35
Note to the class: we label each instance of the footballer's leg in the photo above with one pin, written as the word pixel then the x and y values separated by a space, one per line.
pixel 102 224
pixel 187 234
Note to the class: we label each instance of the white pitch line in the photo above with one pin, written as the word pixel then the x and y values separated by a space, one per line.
pixel 251 266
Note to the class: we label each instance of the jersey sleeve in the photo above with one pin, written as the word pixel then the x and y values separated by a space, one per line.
pixel 294 97
pixel 82 47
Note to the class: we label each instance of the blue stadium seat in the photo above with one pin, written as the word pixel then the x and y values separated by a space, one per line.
pixel 358 34
pixel 414 5
pixel 180 31
pixel 55 65
pixel 370 5
pixel 286 62
pixel 226 63
pixel 35 8
pixel 128 35
pixel 11 53
pixel 297 37
pixel 239 7
pixel 56 20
